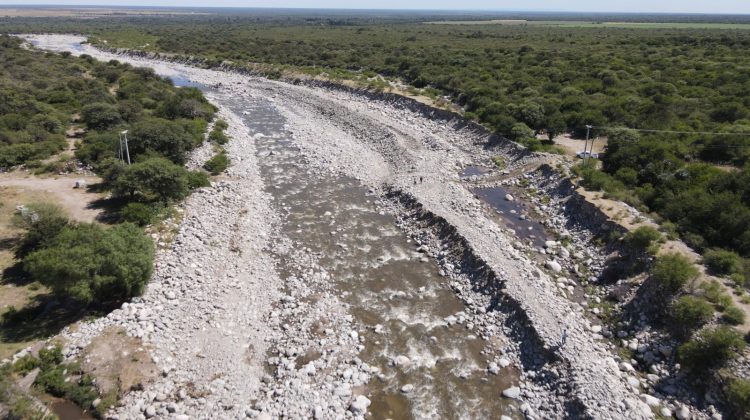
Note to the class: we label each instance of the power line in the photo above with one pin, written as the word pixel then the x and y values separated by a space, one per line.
pixel 646 130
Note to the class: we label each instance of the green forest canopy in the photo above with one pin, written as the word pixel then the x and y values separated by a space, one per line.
pixel 520 79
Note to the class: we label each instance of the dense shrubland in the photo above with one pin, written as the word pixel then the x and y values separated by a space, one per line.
pixel 43 94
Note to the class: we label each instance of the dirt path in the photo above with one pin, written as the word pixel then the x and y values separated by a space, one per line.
pixel 573 146
pixel 77 202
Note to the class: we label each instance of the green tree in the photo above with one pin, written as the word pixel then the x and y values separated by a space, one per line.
pixel 169 138
pixel 153 178
pixel 521 131
pixel 91 263
pixel 42 222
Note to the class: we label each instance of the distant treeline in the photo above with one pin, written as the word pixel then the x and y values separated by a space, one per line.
pixel 525 79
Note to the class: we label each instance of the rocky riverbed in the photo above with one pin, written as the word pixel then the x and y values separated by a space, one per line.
pixel 248 314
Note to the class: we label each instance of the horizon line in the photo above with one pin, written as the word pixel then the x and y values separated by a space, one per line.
pixel 105 6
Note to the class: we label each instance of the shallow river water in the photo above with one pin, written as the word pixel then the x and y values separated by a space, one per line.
pixel 395 293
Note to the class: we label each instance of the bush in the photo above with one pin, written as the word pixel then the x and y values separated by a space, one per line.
pixel 153 178
pixel 737 395
pixel 221 125
pixel 88 262
pixel 198 179
pixel 25 364
pixel 100 116
pixel 16 154
pixel 217 164
pixel 217 136
pixel 691 312
pixel 596 180
pixel 52 381
pixel 49 356
pixel 733 316
pixel 642 237
pixel 55 378
pixel 43 222
pixel 723 262
pixel 139 213
pixel 673 271
pixel 714 292
pixel 710 349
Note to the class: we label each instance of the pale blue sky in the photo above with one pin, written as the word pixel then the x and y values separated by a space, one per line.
pixel 642 6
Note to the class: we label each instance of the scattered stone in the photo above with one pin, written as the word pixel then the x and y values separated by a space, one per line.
pixel 513 392
pixel 359 405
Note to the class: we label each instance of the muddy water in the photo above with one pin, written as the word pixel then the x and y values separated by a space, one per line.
pixel 513 214
pixel 470 171
pixel 66 410
pixel 394 292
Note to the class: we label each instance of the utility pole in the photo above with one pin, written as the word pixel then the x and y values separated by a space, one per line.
pixel 124 141
pixel 120 154
pixel 585 145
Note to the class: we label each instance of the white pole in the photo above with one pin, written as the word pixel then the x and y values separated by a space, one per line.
pixel 127 151
pixel 586 144
pixel 120 154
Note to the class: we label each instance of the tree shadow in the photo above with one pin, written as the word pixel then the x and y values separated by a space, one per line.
pixel 43 317
pixel 110 209
pixel 15 275
pixel 7 244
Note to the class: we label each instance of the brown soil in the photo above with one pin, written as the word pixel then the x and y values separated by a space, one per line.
pixel 58 190
pixel 118 362
pixel 573 146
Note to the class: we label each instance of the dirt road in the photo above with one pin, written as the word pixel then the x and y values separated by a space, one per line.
pixel 77 202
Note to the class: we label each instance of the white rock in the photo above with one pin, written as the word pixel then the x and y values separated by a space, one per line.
pixel 493 368
pixel 650 400
pixel 683 413
pixel 359 405
pixel 509 197
pixel 512 392
pixel 407 388
pixel 401 360
pixel 554 266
